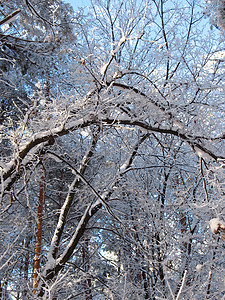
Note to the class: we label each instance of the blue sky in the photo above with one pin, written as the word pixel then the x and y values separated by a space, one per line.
pixel 78 3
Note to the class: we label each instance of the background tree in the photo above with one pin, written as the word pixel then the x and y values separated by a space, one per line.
pixel 216 11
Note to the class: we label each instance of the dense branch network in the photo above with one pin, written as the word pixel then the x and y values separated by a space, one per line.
pixel 123 109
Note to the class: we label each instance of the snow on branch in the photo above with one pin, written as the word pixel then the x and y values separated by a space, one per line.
pixel 188 138
pixel 104 68
pixel 11 17
pixel 47 137
pixel 33 147
pixel 217 225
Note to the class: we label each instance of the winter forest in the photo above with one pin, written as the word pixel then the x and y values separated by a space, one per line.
pixel 112 144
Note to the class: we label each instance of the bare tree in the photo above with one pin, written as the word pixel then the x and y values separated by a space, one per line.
pixel 127 120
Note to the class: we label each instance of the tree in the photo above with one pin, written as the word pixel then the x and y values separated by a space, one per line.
pixel 216 11
pixel 133 149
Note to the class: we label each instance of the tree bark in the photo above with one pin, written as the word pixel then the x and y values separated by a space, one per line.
pixel 87 281
pixel 37 257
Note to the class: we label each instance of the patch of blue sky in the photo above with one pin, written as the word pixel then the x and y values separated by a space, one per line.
pixel 76 4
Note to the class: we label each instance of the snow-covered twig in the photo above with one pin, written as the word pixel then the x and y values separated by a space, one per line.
pixel 182 285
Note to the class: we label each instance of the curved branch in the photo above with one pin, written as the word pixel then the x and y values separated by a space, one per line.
pixel 38 143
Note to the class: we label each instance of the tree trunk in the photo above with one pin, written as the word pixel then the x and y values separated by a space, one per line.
pixel 27 254
pixel 39 230
pixel 87 281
